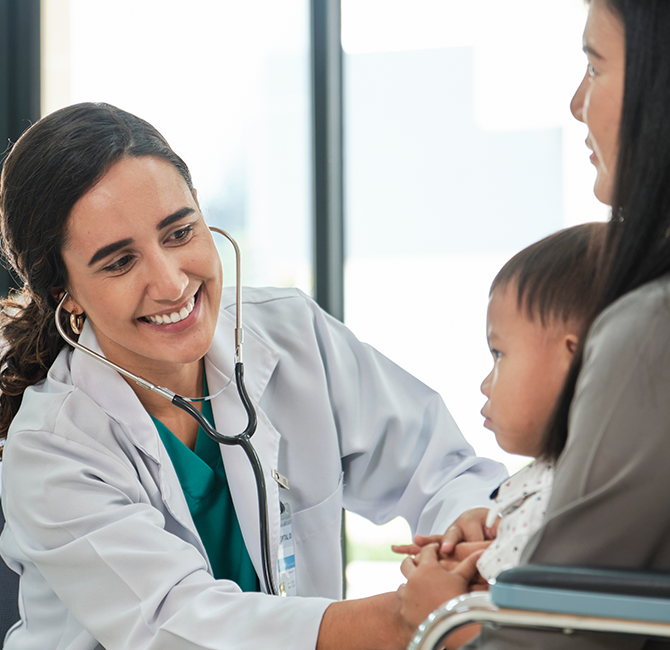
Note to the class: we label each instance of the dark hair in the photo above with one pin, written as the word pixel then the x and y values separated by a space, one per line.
pixel 557 278
pixel 51 166
pixel 638 247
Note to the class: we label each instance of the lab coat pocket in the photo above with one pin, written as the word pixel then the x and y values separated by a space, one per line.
pixel 317 533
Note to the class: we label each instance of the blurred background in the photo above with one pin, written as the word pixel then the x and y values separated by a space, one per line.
pixel 385 156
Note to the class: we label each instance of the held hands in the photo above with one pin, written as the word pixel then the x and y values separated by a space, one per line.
pixel 430 584
pixel 444 567
pixel 470 527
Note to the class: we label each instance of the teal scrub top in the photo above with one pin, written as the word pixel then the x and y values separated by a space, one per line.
pixel 203 480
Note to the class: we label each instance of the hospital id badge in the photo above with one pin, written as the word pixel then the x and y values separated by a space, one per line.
pixel 286 555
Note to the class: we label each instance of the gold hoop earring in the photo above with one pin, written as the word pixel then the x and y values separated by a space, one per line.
pixel 76 322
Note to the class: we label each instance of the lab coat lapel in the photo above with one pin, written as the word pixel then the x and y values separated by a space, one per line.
pixel 113 394
pixel 260 360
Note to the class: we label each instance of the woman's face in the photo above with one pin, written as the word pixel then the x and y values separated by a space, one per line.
pixel 599 98
pixel 143 267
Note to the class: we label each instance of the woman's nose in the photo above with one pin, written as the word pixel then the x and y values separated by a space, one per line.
pixel 167 280
pixel 577 103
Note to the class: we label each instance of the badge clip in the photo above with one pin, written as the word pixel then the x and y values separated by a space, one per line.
pixel 281 480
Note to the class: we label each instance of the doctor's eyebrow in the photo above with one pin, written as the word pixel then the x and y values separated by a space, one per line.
pixel 176 216
pixel 110 249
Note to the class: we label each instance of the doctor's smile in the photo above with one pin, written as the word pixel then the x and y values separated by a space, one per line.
pixel 174 316
pixel 157 273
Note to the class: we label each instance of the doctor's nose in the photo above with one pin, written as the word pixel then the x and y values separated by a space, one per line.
pixel 167 282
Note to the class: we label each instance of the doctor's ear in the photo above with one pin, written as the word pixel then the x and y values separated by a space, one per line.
pixel 57 294
pixel 70 304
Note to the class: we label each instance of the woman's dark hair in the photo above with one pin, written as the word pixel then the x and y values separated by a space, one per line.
pixel 638 247
pixel 557 278
pixel 51 166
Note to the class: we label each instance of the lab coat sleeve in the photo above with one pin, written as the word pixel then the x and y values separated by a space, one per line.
pixel 402 452
pixel 607 508
pixel 83 518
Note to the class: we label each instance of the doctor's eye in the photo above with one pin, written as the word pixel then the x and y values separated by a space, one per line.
pixel 120 265
pixel 181 235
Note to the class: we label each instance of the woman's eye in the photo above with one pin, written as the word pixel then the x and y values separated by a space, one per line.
pixel 121 264
pixel 591 70
pixel 181 234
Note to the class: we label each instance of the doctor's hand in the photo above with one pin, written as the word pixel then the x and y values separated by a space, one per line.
pixel 469 527
pixel 373 622
pixel 429 585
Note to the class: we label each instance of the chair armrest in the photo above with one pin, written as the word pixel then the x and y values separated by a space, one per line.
pixel 621 593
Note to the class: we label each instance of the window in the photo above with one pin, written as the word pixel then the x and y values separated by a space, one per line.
pixel 460 150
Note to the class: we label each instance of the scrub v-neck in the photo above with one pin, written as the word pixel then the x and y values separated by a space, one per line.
pixel 203 480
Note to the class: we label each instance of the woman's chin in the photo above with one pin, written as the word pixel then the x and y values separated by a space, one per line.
pixel 603 191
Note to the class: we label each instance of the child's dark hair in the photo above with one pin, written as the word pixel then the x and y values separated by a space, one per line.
pixel 557 278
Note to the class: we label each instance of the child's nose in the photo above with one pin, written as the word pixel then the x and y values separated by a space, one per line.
pixel 486 385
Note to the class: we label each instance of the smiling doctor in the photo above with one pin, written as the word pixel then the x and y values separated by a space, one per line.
pixel 129 527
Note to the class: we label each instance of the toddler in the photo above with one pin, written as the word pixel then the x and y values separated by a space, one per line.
pixel 538 304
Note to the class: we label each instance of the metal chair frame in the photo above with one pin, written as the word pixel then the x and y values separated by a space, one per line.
pixel 480 607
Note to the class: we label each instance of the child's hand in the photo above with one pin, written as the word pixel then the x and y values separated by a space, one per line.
pixel 469 527
pixel 429 584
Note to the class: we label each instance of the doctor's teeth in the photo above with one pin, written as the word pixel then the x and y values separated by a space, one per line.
pixel 175 316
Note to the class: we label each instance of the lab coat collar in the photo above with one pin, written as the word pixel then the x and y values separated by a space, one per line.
pixel 116 397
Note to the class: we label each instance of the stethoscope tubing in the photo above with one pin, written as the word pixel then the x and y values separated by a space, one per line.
pixel 242 439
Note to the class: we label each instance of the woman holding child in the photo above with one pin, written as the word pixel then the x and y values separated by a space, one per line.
pixel 610 430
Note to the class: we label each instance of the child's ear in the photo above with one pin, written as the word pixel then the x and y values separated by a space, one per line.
pixel 571 342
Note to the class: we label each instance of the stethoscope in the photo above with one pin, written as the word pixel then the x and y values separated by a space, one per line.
pixel 243 439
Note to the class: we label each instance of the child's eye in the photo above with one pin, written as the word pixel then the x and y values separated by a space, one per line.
pixel 496 354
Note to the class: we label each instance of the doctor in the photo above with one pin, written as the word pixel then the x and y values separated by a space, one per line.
pixel 128 526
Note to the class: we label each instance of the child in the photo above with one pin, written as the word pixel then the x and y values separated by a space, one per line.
pixel 538 304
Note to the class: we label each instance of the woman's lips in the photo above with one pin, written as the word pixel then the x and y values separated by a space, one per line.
pixel 167 325
pixel 175 316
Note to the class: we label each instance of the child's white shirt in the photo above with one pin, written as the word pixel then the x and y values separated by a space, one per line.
pixel 521 501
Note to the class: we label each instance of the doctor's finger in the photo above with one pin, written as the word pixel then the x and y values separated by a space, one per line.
pixel 408 567
pixel 428 556
pixel 419 542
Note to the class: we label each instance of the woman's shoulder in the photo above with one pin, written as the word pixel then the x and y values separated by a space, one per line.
pixel 637 317
pixel 267 308
pixel 280 297
pixel 57 409
pixel 628 342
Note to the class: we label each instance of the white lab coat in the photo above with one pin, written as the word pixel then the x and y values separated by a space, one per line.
pixel 98 526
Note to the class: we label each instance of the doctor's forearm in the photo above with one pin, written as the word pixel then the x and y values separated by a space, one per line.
pixel 366 624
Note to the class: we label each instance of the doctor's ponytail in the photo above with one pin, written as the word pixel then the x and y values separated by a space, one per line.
pixel 51 166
